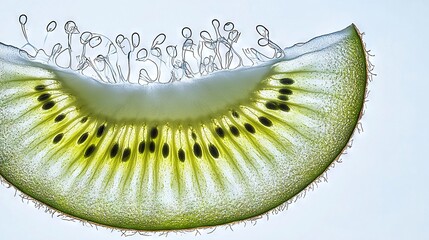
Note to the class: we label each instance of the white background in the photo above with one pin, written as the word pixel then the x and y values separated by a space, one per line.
pixel 380 191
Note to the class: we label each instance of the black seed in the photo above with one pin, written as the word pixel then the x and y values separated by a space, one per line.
pixel 84 119
pixel 249 127
pixel 142 145
pixel 48 105
pixel 235 114
pixel 126 154
pixel 265 121
pixel 286 81
pixel 114 151
pixel 89 150
pixel 197 150
pixel 234 130
pixel 283 97
pixel 60 117
pixel 100 130
pixel 44 97
pixel 58 138
pixel 152 146
pixel 284 107
pixel 194 136
pixel 286 91
pixel 213 150
pixel 165 150
pixel 82 138
pixel 40 88
pixel 181 155
pixel 271 105
pixel 154 132
pixel 220 132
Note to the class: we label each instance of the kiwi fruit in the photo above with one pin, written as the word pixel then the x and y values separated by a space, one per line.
pixel 205 148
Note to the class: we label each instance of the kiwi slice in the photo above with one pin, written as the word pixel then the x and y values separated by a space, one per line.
pixel 226 146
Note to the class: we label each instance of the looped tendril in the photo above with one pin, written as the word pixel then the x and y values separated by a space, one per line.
pixel 123 60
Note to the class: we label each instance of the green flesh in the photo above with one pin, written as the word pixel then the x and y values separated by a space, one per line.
pixel 162 175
